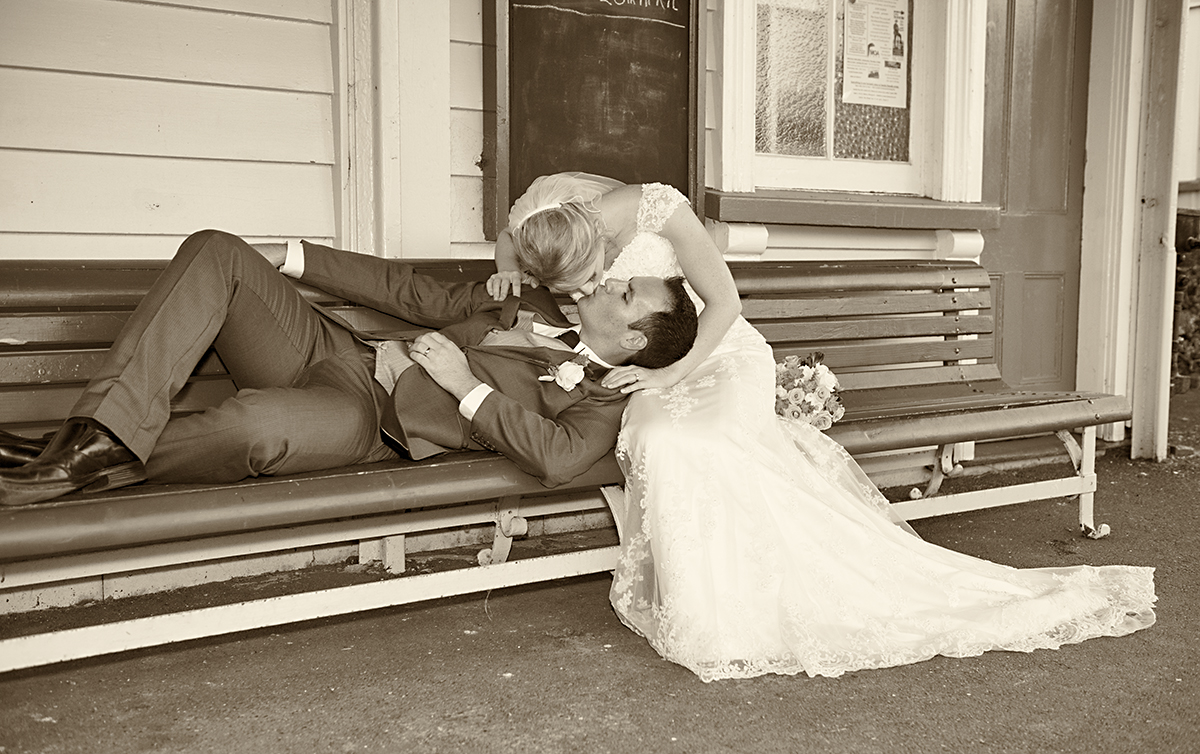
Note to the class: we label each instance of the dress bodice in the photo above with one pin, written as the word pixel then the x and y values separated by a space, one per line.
pixel 648 253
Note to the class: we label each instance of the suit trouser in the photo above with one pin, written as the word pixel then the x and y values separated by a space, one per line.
pixel 306 397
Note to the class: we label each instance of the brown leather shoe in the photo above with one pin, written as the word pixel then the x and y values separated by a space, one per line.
pixel 80 456
pixel 18 451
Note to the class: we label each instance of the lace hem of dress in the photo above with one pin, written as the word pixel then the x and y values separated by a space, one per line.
pixel 1127 608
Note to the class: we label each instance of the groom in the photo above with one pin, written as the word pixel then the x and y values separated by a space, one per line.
pixel 315 393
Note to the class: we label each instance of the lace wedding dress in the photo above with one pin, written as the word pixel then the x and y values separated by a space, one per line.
pixel 752 544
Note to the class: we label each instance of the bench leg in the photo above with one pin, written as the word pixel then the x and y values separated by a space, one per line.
pixel 943 467
pixel 1085 465
pixel 388 551
pixel 508 525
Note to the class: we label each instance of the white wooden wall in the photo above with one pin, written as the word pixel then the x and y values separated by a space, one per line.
pixel 411 74
pixel 466 130
pixel 124 126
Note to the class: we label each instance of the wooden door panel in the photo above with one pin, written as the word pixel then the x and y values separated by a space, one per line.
pixel 1037 131
pixel 1043 302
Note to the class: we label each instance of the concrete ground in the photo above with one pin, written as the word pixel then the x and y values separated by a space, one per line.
pixel 550 669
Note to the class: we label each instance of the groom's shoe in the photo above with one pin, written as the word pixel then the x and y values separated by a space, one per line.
pixel 18 451
pixel 81 455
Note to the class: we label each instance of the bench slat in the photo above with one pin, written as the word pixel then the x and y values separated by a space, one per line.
pixel 65 285
pixel 992 423
pixel 90 283
pixel 839 357
pixel 755 309
pixel 900 402
pixel 72 365
pixel 867 329
pixel 28 406
pixel 101 326
pixel 37 286
pixel 924 376
pixel 48 367
pixel 755 278
pixel 91 327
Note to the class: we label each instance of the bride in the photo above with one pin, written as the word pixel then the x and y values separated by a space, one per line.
pixel 751 543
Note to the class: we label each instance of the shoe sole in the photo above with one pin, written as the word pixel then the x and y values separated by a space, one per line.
pixel 121 475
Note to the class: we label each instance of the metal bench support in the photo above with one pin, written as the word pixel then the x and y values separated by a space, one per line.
pixel 508 525
pixel 1085 466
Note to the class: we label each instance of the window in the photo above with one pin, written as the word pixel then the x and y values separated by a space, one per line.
pixel 871 96
pixel 832 86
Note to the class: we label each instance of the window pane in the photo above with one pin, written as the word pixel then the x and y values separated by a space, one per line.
pixel 872 132
pixel 791 74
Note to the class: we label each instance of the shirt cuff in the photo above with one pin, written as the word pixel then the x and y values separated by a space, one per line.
pixel 473 400
pixel 293 263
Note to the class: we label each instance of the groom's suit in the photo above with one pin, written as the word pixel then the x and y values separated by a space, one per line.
pixel 308 398
pixel 552 433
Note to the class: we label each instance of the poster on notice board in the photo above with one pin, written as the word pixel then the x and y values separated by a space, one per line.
pixel 874 58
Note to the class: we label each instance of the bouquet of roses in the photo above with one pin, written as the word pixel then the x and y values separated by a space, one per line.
pixel 806 390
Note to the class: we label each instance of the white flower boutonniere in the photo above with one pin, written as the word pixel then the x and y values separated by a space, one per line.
pixel 567 374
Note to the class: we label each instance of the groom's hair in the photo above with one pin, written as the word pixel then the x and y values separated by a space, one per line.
pixel 670 333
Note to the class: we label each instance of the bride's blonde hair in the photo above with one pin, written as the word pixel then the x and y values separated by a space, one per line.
pixel 558 245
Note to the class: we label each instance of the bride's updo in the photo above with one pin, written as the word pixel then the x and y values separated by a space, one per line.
pixel 558 245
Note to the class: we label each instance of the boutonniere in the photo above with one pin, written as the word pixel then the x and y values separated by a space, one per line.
pixel 567 374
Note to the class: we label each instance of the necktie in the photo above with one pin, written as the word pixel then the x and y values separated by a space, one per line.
pixel 570 337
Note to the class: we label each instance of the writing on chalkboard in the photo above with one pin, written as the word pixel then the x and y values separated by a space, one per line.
pixel 664 4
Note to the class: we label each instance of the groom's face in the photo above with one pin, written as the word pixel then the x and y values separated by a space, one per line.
pixel 606 314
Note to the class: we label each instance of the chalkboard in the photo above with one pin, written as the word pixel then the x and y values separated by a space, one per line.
pixel 601 86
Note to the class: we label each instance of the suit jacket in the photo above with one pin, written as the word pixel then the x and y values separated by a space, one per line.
pixel 548 432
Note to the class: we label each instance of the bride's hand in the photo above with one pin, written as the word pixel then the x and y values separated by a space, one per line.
pixel 499 284
pixel 631 378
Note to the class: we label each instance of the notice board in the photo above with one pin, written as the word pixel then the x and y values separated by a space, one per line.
pixel 600 86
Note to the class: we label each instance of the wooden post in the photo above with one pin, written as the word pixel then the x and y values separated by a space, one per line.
pixel 1156 237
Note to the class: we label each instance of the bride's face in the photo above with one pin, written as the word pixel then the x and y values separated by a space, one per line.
pixel 587 281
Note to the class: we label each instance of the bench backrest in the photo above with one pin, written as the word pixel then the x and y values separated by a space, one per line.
pixel 878 324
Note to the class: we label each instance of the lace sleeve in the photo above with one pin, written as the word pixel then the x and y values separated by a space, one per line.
pixel 659 202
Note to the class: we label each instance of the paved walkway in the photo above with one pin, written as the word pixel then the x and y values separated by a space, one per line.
pixel 550 668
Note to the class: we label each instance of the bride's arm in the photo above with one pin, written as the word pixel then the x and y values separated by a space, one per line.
pixel 508 276
pixel 710 277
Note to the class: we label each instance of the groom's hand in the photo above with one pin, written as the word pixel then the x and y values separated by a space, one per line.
pixel 445 362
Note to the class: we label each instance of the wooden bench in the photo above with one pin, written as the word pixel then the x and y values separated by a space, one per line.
pixel 912 343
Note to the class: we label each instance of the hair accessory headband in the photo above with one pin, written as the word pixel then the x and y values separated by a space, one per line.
pixel 534 211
